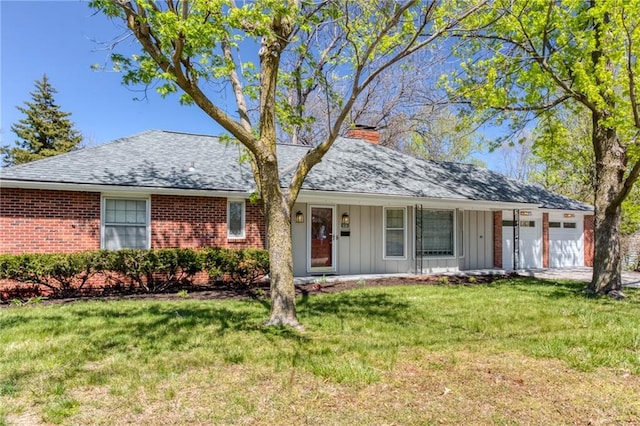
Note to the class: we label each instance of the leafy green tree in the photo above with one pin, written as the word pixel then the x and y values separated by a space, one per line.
pixel 438 134
pixel 564 153
pixel 195 47
pixel 45 130
pixel 533 56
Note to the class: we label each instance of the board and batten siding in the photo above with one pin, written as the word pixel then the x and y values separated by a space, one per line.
pixel 362 251
pixel 477 240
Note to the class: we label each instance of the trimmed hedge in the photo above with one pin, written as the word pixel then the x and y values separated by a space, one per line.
pixel 67 275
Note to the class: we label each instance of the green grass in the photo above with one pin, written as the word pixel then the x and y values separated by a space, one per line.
pixel 372 355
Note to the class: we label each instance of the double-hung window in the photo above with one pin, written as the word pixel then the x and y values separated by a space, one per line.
pixel 394 233
pixel 125 223
pixel 235 219
pixel 437 233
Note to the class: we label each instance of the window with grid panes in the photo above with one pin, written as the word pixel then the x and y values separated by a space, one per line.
pixel 437 233
pixel 125 224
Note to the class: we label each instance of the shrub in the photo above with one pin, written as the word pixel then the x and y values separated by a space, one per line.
pixel 64 275
pixel 240 267
pixel 246 267
pixel 211 261
pixel 173 266
pixel 136 265
pixel 156 270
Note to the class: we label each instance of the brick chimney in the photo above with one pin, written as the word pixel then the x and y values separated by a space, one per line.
pixel 368 133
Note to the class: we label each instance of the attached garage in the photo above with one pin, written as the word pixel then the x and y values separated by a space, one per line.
pixel 530 240
pixel 566 245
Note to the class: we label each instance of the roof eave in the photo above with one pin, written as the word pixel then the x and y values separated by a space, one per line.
pixel 141 190
pixel 351 198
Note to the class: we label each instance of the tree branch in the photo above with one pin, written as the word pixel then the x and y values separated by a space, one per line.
pixel 631 75
pixel 315 155
pixel 627 186
pixel 136 23
pixel 237 87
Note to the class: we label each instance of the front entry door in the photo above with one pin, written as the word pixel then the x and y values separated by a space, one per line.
pixel 321 251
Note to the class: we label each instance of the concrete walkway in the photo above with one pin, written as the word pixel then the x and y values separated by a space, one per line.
pixel 629 279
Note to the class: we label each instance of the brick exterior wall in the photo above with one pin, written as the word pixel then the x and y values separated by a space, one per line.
pixel 45 221
pixel 545 240
pixel 497 239
pixel 589 241
pixel 191 222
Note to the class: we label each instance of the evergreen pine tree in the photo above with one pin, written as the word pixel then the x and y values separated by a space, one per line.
pixel 45 131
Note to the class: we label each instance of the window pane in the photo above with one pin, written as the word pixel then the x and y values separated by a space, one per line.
pixel 131 215
pixel 437 233
pixel 395 243
pixel 121 216
pixel 395 219
pixel 570 225
pixel 119 237
pixel 235 222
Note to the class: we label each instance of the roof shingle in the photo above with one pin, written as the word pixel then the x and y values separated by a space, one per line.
pixel 161 159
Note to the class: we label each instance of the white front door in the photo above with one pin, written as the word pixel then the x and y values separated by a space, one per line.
pixel 321 237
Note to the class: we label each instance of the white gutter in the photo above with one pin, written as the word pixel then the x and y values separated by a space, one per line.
pixel 350 198
pixel 145 190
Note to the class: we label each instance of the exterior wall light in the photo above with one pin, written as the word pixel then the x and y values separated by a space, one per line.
pixel 525 213
pixel 569 215
pixel 345 220
pixel 299 217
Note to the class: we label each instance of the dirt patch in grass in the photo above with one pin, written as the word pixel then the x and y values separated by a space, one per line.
pixel 450 388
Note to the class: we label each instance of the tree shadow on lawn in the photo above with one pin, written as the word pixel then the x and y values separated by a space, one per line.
pixel 356 304
pixel 553 289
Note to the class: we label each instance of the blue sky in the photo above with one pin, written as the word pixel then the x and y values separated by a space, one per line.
pixel 63 39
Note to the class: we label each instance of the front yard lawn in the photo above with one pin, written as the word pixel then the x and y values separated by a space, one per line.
pixel 517 351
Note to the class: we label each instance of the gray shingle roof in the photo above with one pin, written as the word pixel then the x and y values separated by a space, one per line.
pixel 160 159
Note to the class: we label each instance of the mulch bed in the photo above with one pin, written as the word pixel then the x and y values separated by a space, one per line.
pixel 223 291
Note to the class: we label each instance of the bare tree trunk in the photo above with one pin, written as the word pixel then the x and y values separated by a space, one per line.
pixel 610 166
pixel 278 223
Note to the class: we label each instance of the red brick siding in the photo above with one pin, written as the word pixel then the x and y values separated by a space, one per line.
pixel 589 245
pixel 45 221
pixel 545 240
pixel 181 221
pixel 497 239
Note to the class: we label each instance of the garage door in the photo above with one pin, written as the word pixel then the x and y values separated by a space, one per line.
pixel 566 246
pixel 530 243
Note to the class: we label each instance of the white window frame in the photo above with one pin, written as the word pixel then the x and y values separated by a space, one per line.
pixel 454 237
pixel 243 220
pixel 385 229
pixel 103 215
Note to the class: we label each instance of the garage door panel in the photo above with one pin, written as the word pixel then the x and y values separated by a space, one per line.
pixel 530 245
pixel 566 246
